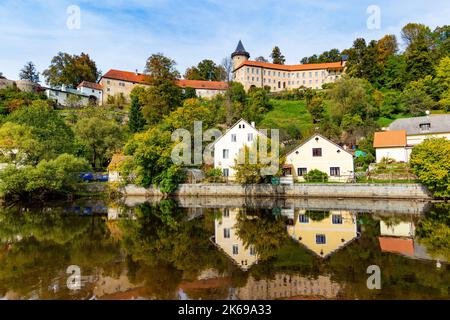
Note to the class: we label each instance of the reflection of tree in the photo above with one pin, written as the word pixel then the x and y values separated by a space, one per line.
pixel 44 242
pixel 402 277
pixel 160 238
pixel 317 215
pixel 261 229
pixel 434 231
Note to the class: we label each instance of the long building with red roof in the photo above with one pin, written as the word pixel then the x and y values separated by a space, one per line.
pixel 279 77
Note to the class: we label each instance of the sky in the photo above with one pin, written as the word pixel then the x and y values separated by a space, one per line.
pixel 122 34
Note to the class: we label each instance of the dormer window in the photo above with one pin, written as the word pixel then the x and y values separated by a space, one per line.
pixel 425 126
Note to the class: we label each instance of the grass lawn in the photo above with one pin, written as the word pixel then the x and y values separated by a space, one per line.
pixel 287 114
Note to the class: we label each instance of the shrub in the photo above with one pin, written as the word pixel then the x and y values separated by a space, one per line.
pixel 316 176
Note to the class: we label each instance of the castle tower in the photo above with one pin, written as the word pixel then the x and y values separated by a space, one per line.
pixel 239 55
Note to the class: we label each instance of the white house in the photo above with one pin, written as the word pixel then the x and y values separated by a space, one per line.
pixel 391 145
pixel 322 154
pixel 62 95
pixel 226 237
pixel 227 147
pixel 403 134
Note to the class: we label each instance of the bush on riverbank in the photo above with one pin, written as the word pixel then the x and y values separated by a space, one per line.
pixel 52 177
pixel 430 162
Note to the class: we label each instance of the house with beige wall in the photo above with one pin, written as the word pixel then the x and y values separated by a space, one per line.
pixel 402 135
pixel 320 153
pixel 336 230
pixel 282 77
pixel 116 82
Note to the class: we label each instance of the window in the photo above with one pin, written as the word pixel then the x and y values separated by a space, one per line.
pixel 226 172
pixel 317 74
pixel 310 74
pixel 425 126
pixel 93 91
pixel 233 138
pixel 303 218
pixel 250 137
pixel 226 153
pixel 226 233
pixel 235 249
pixel 108 82
pixel 226 213
pixel 336 219
pixel 252 251
pixel 335 172
pixel 317 152
pixel 301 172
pixel 321 239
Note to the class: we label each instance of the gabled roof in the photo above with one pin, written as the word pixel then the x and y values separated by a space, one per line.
pixel 297 67
pixel 91 85
pixel 127 76
pixel 228 130
pixel 201 84
pixel 438 124
pixel 314 136
pixel 388 139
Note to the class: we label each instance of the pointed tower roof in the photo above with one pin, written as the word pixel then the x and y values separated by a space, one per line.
pixel 240 50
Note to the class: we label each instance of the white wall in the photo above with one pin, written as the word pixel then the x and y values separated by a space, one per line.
pixel 241 130
pixel 399 154
pixel 61 96
pixel 413 140
pixel 208 93
pixel 98 94
pixel 302 157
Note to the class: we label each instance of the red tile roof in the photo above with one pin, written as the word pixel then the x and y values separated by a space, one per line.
pixel 297 67
pixel 199 84
pixel 389 139
pixel 397 245
pixel 127 76
pixel 91 85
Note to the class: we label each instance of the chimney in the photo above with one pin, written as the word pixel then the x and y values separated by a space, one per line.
pixel 253 124
pixel 137 73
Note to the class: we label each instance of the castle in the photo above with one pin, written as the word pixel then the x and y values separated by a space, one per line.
pixel 279 77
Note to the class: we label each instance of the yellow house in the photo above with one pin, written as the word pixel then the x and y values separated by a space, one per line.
pixel 227 239
pixel 333 232
pixel 322 154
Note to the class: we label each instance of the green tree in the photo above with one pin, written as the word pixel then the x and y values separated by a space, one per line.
pixel 316 108
pixel 18 145
pixel 277 57
pixel 316 176
pixel 29 72
pixel 430 162
pixel 56 176
pixel 71 70
pixel 416 100
pixel 136 119
pixel 47 127
pixel 206 70
pixel 258 104
pixel 99 139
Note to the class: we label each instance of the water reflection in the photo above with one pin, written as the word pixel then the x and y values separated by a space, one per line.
pixel 223 249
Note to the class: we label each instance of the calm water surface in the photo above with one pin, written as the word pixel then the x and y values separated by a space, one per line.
pixel 216 248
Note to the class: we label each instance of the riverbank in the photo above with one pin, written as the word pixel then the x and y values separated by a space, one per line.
pixel 328 190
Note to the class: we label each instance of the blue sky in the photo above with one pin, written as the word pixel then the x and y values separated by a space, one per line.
pixel 122 34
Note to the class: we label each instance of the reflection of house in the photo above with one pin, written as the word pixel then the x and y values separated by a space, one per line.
pixel 324 237
pixel 227 239
pixel 319 153
pixel 288 286
pixel 404 134
pixel 399 238
pixel 230 144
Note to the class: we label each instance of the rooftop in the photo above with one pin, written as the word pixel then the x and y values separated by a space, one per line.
pixel 423 125
pixel 200 84
pixel 127 76
pixel 296 67
pixel 91 85
pixel 389 139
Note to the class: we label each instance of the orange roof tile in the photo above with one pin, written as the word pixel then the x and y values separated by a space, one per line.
pixel 397 245
pixel 200 84
pixel 127 76
pixel 389 139
pixel 297 67
pixel 91 85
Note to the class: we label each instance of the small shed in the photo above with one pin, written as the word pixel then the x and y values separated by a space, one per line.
pixel 114 165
